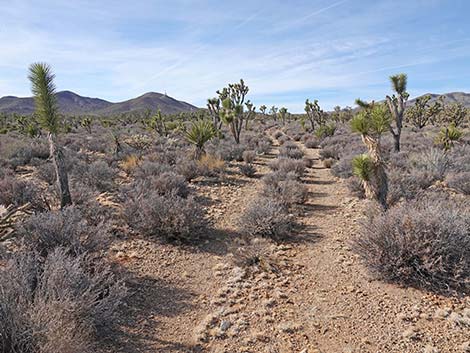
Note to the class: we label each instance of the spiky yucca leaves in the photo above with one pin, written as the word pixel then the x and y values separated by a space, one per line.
pixel 86 123
pixel 455 114
pixel 157 123
pixel 396 104
pixel 315 114
pixel 371 123
pixel 448 136
pixel 363 167
pixel 43 88
pixel 200 132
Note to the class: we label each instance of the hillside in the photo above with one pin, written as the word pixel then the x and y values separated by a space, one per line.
pixel 453 97
pixel 72 103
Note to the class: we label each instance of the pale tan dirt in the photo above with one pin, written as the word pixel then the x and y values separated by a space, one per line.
pixel 315 296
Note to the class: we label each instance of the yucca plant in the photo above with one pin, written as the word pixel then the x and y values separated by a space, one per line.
pixel 448 136
pixel 43 88
pixel 200 132
pixel 86 123
pixel 371 123
pixel 363 167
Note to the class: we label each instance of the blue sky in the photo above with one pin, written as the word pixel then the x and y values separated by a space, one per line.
pixel 287 51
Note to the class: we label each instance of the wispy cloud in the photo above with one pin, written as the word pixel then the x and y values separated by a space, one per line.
pixel 284 51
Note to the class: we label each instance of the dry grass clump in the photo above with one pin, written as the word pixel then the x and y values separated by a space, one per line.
pixel 17 192
pixel 424 243
pixel 290 150
pixel 459 182
pixel 210 165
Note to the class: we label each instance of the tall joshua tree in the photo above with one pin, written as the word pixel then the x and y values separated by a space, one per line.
pixel 396 105
pixel 233 111
pixel 371 123
pixel 43 88
pixel 283 115
pixel 315 114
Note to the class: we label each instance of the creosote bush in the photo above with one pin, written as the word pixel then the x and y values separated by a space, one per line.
pixel 56 304
pixel 423 243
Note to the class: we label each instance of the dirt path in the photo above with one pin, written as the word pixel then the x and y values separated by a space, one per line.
pixel 318 299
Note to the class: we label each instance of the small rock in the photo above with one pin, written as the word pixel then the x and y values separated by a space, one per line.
pixel 430 349
pixel 410 333
pixel 225 325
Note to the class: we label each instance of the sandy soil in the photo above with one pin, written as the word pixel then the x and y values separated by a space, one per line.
pixel 312 294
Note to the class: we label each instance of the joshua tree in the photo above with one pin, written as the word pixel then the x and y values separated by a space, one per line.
pixel 157 123
pixel 262 109
pixel 43 88
pixel 454 114
pixel 273 112
pixel 423 112
pixel 232 111
pixel 200 132
pixel 86 123
pixel 213 104
pixel 371 123
pixel 283 115
pixel 250 113
pixel 396 105
pixel 315 114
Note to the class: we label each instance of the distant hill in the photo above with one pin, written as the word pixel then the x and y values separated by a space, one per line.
pixel 453 97
pixel 72 103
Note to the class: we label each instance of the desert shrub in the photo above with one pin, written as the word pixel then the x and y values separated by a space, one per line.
pixel 129 163
pixel 422 243
pixel 284 188
pixel 66 228
pixel 20 153
pixel 283 139
pixel 286 165
pixel 98 175
pixel 163 184
pixel 226 150
pixel 165 216
pixel 17 192
pixel 46 172
pixel 355 186
pixel 86 201
pixel 290 150
pixel 56 304
pixel 329 152
pixel 265 217
pixel 312 142
pixel 264 146
pixel 459 182
pixel 434 163
pixel 249 156
pixel 188 168
pixel 460 158
pixel 147 169
pixel 210 165
pixel 343 167
pixel 247 170
pixel 324 131
pixel 405 186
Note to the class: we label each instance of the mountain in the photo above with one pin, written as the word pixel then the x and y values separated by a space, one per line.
pixel 453 97
pixel 72 103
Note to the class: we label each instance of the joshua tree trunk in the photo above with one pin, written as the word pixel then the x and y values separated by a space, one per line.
pixel 60 170
pixel 397 109
pixel 377 186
